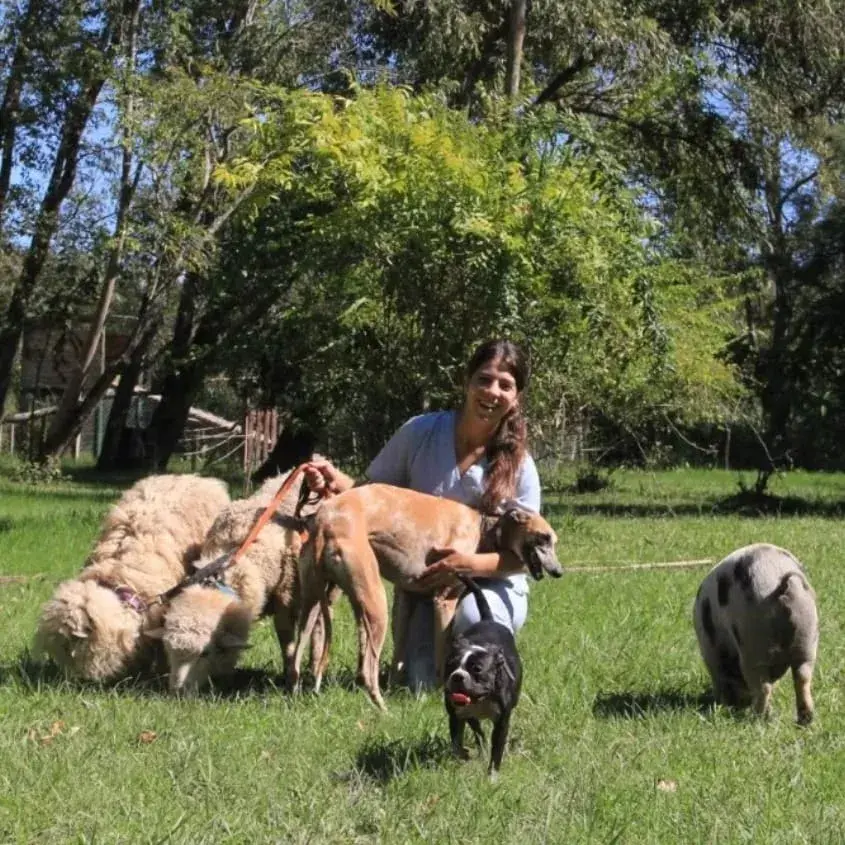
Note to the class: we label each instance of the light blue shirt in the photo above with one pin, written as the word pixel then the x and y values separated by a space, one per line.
pixel 421 456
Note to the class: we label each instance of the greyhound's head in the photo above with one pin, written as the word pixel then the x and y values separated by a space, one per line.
pixel 531 539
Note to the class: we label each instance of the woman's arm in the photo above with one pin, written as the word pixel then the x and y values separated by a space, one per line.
pixel 479 564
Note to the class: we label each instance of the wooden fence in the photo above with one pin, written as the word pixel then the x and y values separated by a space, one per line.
pixel 261 429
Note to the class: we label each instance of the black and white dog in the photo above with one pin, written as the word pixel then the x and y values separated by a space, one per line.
pixel 483 678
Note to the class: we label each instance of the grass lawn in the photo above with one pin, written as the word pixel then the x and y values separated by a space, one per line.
pixel 613 741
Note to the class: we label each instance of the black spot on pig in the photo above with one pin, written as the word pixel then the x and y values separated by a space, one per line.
pixel 742 574
pixel 724 587
pixel 707 620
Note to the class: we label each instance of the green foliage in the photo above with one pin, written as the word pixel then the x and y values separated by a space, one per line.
pixel 407 233
pixel 643 217
pixel 35 473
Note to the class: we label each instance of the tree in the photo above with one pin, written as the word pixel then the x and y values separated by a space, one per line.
pixel 408 232
pixel 91 33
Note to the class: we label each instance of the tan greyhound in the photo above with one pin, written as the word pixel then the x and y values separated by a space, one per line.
pixel 376 531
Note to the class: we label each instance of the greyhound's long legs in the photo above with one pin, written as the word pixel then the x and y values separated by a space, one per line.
pixel 445 604
pixel 319 650
pixel 359 578
pixel 284 622
pixel 400 616
pixel 312 594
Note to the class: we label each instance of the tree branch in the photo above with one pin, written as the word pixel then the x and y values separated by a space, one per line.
pixel 562 77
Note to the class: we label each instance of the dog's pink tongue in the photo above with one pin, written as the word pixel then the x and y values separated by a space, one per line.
pixel 460 699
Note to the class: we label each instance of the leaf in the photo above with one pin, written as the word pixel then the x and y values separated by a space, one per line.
pixel 57 728
pixel 146 737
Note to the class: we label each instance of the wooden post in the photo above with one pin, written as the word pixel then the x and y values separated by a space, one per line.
pixel 274 433
pixel 247 442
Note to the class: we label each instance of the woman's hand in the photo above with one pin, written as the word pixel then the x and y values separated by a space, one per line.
pixel 479 565
pixel 322 474
pixel 442 572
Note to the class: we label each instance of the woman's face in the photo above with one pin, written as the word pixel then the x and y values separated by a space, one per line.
pixel 491 392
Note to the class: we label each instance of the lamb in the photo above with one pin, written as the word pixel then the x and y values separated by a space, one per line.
pixel 206 627
pixel 755 617
pixel 93 626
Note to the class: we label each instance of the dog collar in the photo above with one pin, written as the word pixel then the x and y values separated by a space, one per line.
pixel 129 597
pixel 226 589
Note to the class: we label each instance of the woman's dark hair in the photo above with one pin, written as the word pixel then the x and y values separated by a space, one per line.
pixel 508 446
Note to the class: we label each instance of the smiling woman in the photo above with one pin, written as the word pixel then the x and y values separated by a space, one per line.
pixel 476 455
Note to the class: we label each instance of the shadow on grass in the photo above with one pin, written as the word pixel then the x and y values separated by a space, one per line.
pixel 636 705
pixel 741 504
pixel 383 760
pixel 33 676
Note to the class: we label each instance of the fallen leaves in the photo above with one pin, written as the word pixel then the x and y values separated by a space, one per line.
pixel 56 729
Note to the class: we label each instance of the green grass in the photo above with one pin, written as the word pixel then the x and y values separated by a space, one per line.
pixel 613 740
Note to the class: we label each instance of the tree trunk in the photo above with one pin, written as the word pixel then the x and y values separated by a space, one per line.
pixel 63 419
pixel 516 37
pixel 171 415
pixel 183 379
pixel 113 454
pixel 59 186
pixel 775 392
pixel 10 108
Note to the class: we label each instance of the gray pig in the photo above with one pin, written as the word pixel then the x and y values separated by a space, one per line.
pixel 755 617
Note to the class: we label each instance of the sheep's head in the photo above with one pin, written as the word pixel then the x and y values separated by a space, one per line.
pixel 204 632
pixel 89 632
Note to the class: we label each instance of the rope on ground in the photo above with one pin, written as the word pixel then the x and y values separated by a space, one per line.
pixel 18 579
pixel 623 567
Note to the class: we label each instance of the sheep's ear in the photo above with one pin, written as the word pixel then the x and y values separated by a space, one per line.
pixel 155 633
pixel 227 641
pixel 77 629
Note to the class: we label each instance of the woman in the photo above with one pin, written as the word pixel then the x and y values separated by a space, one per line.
pixel 476 455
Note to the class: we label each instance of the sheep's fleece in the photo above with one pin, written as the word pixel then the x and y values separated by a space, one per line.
pixel 755 617
pixel 206 627
pixel 93 625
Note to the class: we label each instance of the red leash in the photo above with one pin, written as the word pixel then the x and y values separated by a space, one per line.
pixel 270 510
pixel 224 562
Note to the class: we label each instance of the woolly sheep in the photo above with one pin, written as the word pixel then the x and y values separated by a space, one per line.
pixel 206 627
pixel 93 626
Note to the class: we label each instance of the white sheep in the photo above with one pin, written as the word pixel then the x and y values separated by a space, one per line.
pixel 93 626
pixel 206 627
